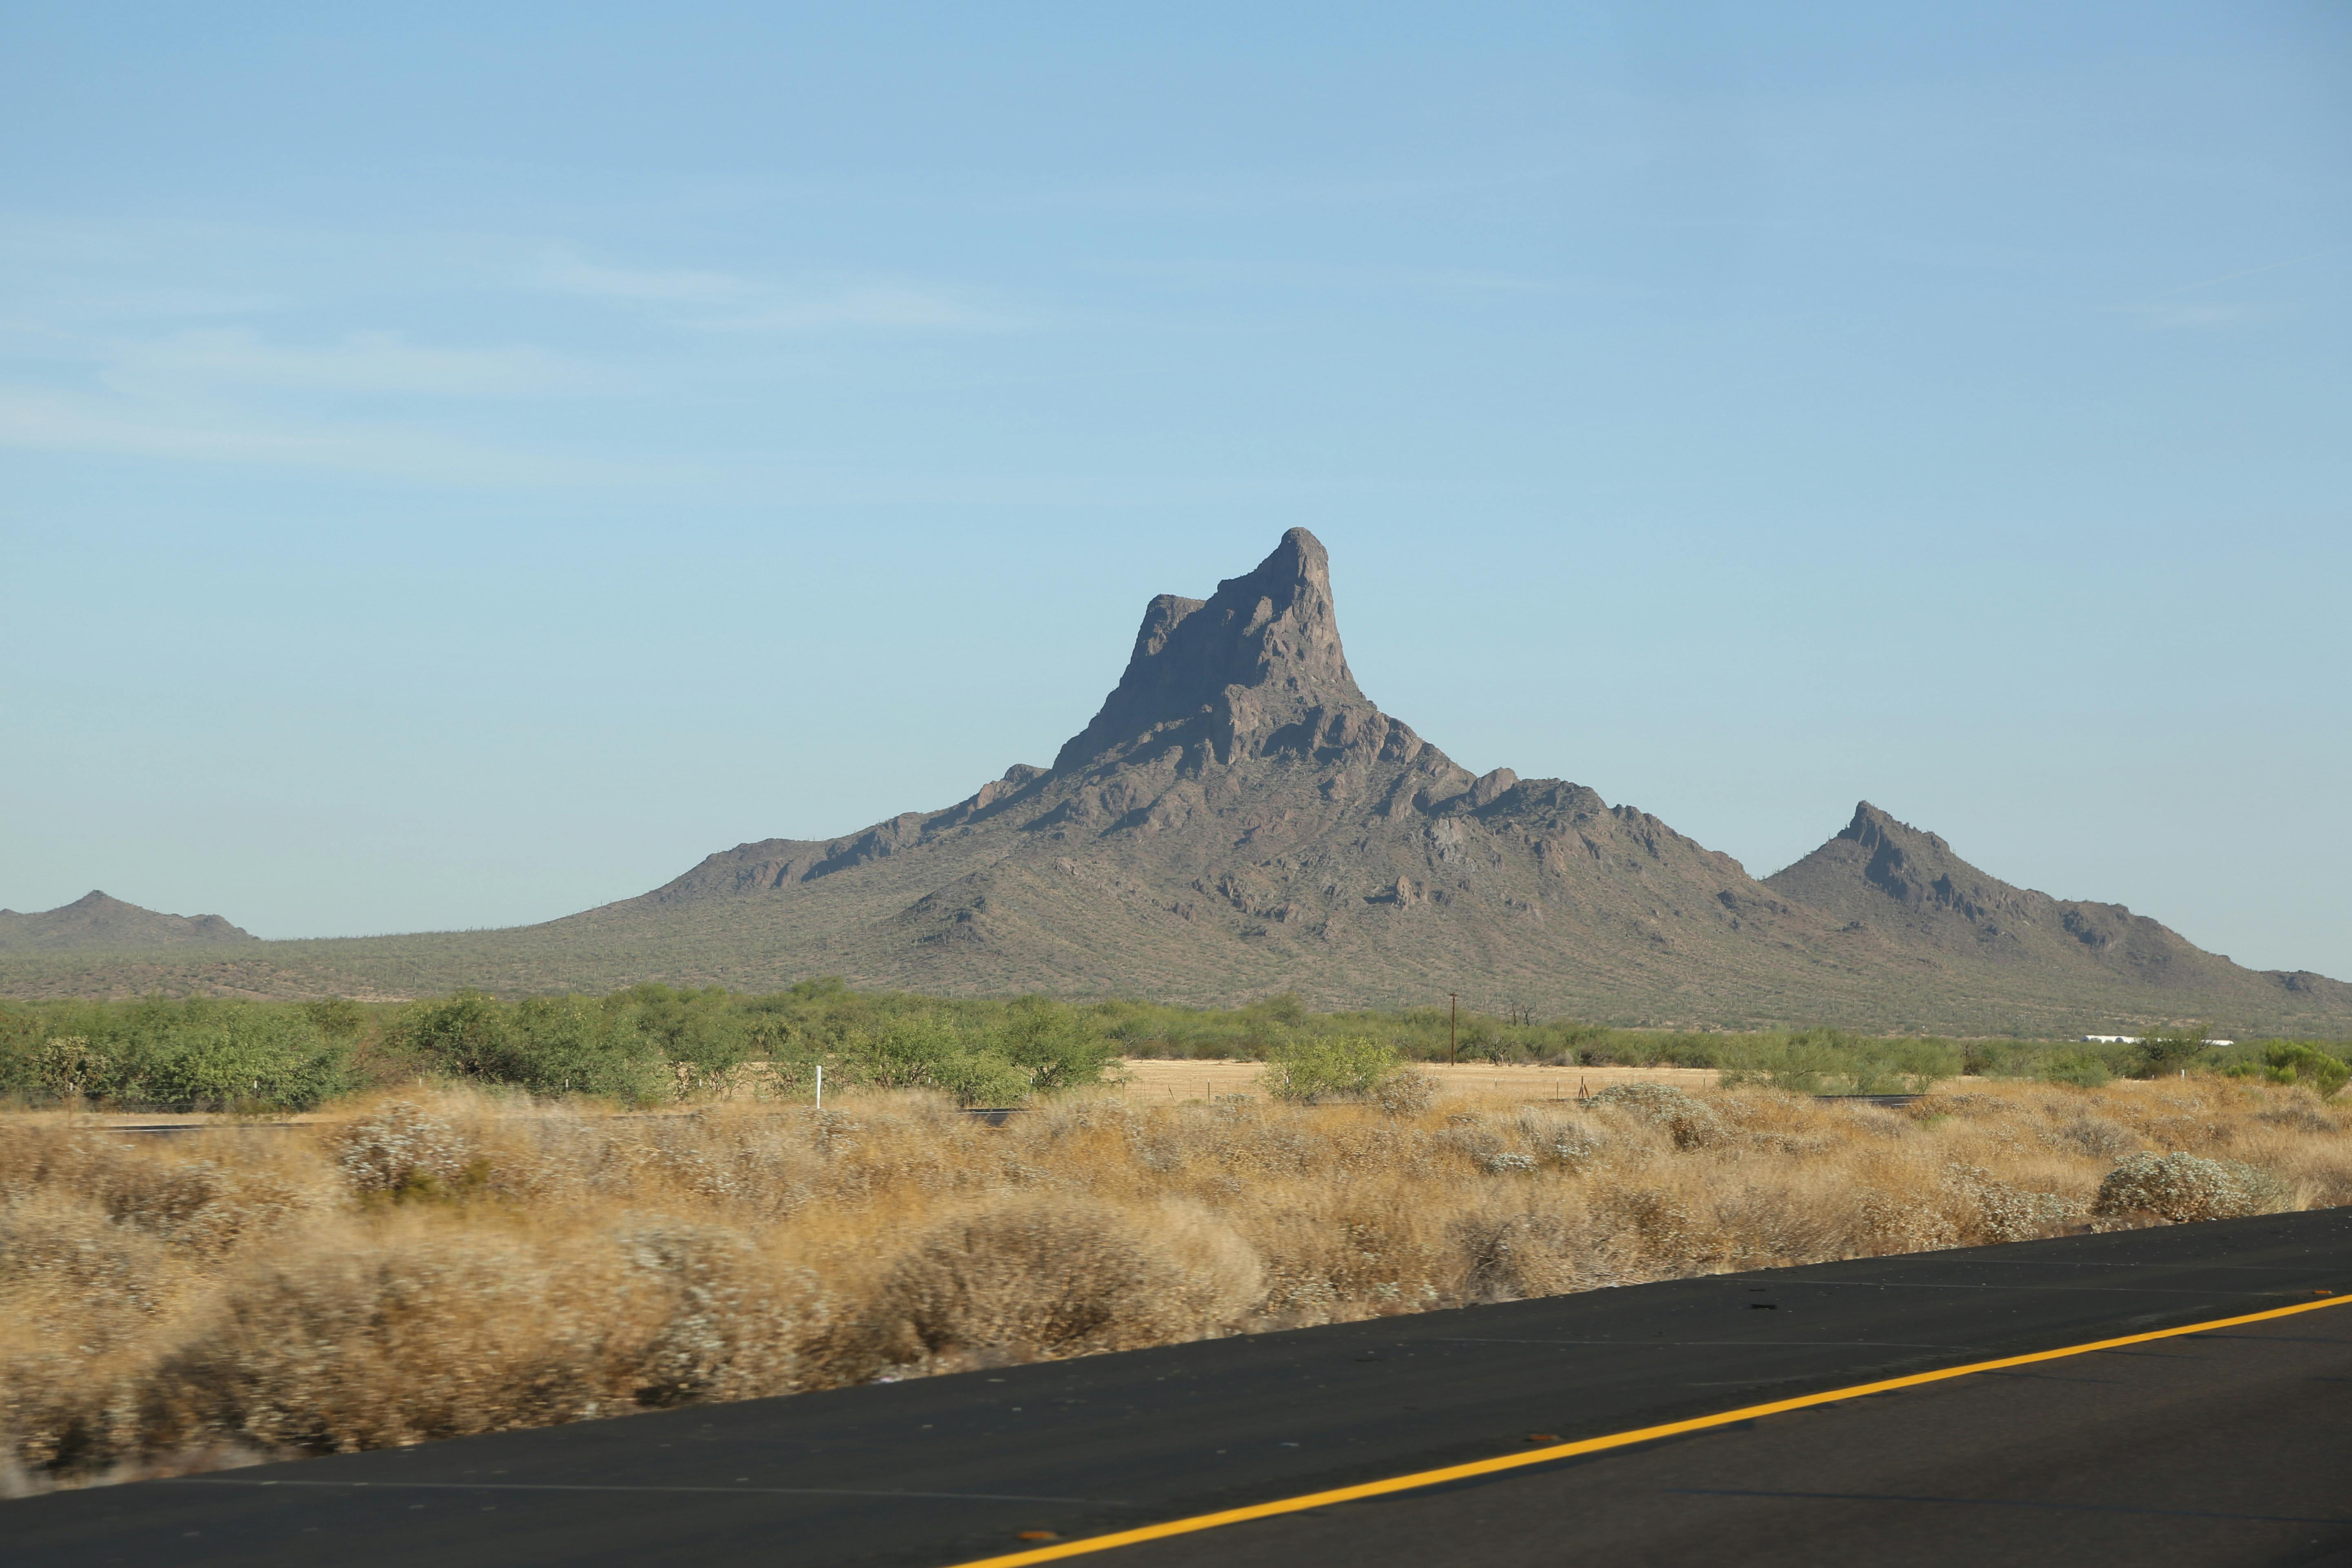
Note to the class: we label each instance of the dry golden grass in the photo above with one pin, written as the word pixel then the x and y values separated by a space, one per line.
pixel 449 1263
pixel 1161 1081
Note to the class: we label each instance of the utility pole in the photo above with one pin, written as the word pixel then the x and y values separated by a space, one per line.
pixel 1453 1013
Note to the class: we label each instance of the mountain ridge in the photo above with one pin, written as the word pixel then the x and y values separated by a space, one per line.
pixel 1238 817
pixel 1879 871
pixel 97 921
pixel 1238 806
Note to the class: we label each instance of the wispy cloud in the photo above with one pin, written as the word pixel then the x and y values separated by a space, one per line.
pixel 214 396
pixel 1259 273
pixel 293 376
pixel 869 305
pixel 2167 310
pixel 2173 315
pixel 2255 272
pixel 40 419
pixel 727 302
pixel 367 361
pixel 1244 192
pixel 57 270
pixel 569 275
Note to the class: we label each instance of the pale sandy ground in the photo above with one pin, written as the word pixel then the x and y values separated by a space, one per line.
pixel 1149 1081
pixel 167 1118
pixel 1152 1081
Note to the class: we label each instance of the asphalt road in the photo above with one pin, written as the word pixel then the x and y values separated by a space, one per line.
pixel 2228 1447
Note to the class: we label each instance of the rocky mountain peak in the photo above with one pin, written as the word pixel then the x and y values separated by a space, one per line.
pixel 1876 829
pixel 1257 666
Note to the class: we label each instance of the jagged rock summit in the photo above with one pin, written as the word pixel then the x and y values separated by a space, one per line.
pixel 96 922
pixel 1256 669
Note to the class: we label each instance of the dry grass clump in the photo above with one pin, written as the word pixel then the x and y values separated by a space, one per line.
pixel 446 1263
pixel 1689 1121
pixel 2179 1187
pixel 423 1330
pixel 1035 1277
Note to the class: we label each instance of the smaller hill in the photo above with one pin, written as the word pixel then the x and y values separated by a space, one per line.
pixel 96 922
pixel 1908 886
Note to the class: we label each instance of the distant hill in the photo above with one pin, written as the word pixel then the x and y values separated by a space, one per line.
pixel 95 922
pixel 1240 818
pixel 1890 879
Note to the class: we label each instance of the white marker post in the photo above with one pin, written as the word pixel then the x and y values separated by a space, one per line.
pixel 820 1085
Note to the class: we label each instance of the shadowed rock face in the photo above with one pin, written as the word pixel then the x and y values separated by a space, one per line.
pixel 1253 669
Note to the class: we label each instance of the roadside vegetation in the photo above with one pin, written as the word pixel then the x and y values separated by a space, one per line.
pixel 520 1212
pixel 460 1257
pixel 653 1045
pixel 648 1045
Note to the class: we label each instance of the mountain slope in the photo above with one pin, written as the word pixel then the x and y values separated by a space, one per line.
pixel 1240 818
pixel 97 923
pixel 1908 885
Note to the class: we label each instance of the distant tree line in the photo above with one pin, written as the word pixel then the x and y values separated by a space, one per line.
pixel 653 1044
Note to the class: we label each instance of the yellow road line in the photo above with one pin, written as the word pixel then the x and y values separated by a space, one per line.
pixel 1595 1445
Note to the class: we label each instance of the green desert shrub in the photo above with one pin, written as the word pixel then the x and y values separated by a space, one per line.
pixel 646 1044
pixel 705 1035
pixel 1055 1044
pixel 338 1017
pixel 467 1035
pixel 655 1042
pixel 2296 1061
pixel 548 1044
pixel 2083 1069
pixel 1309 1068
pixel 928 1051
pixel 2161 1053
pixel 68 1066
pixel 1829 1061
pixel 199 1054
pixel 244 1056
pixel 569 1045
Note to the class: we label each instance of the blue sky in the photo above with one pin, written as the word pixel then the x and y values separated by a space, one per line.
pixel 458 468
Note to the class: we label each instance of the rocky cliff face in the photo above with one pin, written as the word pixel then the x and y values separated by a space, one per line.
pixel 1255 670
